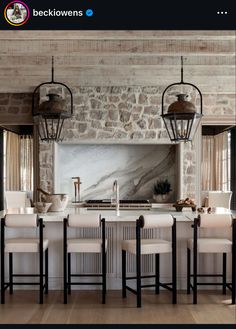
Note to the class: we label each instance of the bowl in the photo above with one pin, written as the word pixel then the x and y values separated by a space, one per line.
pixel 58 201
pixel 42 207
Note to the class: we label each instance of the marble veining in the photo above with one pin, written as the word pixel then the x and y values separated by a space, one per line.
pixel 136 167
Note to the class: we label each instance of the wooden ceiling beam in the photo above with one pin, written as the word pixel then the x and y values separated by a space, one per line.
pixel 159 71
pixel 98 47
pixel 118 34
pixel 116 60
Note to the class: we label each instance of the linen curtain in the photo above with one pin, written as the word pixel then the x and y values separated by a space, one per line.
pixel 19 162
pixel 216 162
pixel 26 163
pixel 12 164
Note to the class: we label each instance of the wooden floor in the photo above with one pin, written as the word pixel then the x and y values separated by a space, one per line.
pixel 86 307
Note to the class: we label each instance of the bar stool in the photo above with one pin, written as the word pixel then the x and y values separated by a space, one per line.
pixel 213 246
pixel 84 245
pixel 23 245
pixel 156 247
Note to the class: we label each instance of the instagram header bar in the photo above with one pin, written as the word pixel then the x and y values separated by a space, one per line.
pixel 117 15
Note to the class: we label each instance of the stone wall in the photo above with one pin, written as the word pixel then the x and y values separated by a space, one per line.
pixel 128 115
pixel 16 108
pixel 115 113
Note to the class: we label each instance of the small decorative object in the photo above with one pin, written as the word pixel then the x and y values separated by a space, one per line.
pixel 209 210
pixel 182 203
pixel 58 201
pixel 161 189
pixel 200 210
pixel 42 207
pixel 205 210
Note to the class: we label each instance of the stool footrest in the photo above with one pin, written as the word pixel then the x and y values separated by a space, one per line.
pixel 131 289
pixel 208 275
pixel 23 283
pixel 228 285
pixel 26 275
pixel 142 277
pixel 84 283
pixel 86 275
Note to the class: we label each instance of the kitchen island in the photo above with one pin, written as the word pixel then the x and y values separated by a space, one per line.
pixel 117 228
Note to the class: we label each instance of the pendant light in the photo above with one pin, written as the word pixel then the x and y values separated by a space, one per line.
pixel 49 116
pixel 182 117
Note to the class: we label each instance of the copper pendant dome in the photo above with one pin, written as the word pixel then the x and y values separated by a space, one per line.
pixel 182 105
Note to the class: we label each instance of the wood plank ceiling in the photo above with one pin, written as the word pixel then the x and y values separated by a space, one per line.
pixel 116 58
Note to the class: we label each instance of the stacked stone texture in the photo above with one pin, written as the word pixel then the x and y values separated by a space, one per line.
pixel 115 113
pixel 12 105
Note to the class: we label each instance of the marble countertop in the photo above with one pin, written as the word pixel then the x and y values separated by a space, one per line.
pixel 111 215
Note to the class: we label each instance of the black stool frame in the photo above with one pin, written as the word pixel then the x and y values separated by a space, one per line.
pixel 67 265
pixel 172 286
pixel 195 275
pixel 43 277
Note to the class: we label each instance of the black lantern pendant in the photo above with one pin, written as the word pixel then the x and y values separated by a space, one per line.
pixel 49 116
pixel 182 117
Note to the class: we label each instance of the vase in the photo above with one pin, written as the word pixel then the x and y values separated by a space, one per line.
pixel 160 198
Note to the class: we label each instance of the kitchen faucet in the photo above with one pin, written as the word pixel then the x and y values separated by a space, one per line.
pixel 117 201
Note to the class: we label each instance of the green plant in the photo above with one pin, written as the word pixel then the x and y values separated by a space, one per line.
pixel 162 186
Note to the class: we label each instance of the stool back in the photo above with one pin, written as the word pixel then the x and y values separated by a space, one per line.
pixel 84 220
pixel 219 199
pixel 215 220
pixel 16 199
pixel 21 220
pixel 155 221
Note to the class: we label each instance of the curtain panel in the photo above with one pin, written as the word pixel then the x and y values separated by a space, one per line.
pixel 216 162
pixel 12 162
pixel 19 162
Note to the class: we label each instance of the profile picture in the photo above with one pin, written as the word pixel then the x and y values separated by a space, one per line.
pixel 16 13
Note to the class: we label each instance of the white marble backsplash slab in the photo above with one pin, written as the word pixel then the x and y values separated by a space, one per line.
pixel 136 168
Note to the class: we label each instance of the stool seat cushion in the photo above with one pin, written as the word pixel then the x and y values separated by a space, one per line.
pixel 148 246
pixel 24 245
pixel 85 245
pixel 212 245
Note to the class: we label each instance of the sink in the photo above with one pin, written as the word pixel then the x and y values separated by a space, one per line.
pixel 124 204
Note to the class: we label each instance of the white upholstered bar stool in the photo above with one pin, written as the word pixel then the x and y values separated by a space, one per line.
pixel 139 247
pixel 37 245
pixel 86 246
pixel 16 199
pixel 211 245
pixel 219 199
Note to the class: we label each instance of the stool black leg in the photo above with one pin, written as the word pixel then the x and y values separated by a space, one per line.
pixel 46 271
pixel 174 285
pixel 65 278
pixel 41 277
pixel 2 275
pixel 157 270
pixel 103 278
pixel 11 273
pixel 234 267
pixel 224 273
pixel 188 270
pixel 69 273
pixel 234 286
pixel 123 273
pixel 2 261
pixel 195 277
pixel 138 264
pixel 195 253
pixel 65 258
